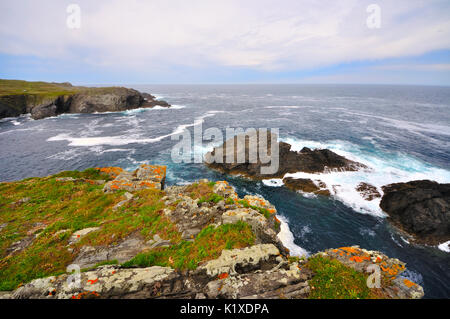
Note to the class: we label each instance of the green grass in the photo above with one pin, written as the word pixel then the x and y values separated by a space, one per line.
pixel 69 206
pixel 14 87
pixel 208 245
pixel 261 210
pixel 213 198
pixel 334 280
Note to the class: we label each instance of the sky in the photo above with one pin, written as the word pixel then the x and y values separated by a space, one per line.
pixel 226 41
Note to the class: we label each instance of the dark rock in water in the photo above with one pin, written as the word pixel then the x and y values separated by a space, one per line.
pixel 307 160
pixel 367 191
pixel 421 208
pixel 306 185
pixel 151 101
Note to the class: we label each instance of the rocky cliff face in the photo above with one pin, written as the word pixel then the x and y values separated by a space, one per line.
pixel 44 104
pixel 421 208
pixel 192 241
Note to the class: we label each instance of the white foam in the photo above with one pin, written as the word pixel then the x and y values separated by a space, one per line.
pixel 287 238
pixel 445 246
pixel 384 169
pixel 125 139
pixel 274 182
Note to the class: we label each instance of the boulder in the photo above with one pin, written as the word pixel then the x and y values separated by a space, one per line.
pixel 421 208
pixel 368 191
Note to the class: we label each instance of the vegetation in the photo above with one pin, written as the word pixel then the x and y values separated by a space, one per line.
pixel 41 214
pixel 14 87
pixel 208 244
pixel 334 280
pixel 262 210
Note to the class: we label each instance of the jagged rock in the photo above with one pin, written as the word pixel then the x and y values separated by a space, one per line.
pixel 146 176
pixel 241 146
pixel 367 191
pixel 306 185
pixel 421 208
pixel 222 188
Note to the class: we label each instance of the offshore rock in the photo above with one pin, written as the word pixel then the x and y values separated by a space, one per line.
pixel 306 185
pixel 247 147
pixel 421 208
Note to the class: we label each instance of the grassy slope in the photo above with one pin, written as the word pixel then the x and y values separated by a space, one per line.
pixel 76 205
pixel 16 87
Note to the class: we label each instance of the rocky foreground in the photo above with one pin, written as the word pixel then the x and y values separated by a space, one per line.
pixel 43 99
pixel 132 237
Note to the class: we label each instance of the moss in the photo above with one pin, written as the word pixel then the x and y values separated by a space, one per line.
pixel 213 198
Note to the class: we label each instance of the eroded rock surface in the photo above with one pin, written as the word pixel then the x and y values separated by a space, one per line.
pixel 146 176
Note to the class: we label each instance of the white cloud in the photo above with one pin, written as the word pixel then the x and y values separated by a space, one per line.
pixel 263 35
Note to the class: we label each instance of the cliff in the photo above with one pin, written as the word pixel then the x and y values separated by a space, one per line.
pixel 43 99
pixel 132 237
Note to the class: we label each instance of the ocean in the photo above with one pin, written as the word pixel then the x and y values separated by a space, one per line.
pixel 401 132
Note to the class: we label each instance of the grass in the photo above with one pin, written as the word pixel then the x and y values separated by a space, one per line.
pixel 69 206
pixel 208 245
pixel 261 210
pixel 334 280
pixel 14 87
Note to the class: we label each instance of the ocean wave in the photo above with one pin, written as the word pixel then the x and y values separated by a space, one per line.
pixel 287 238
pixel 445 246
pixel 125 139
pixel 385 168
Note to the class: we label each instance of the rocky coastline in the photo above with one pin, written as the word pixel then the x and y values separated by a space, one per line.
pixel 42 99
pixel 419 209
pixel 133 237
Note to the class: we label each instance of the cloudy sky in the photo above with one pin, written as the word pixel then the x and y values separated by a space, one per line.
pixel 226 41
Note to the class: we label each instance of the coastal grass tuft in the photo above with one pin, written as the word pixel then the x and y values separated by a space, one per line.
pixel 334 280
pixel 208 245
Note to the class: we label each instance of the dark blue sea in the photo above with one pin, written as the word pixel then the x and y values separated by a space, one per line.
pixel 401 132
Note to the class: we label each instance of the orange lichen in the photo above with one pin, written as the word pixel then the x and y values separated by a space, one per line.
pixel 359 259
pixel 223 275
pixel 408 283
pixel 92 281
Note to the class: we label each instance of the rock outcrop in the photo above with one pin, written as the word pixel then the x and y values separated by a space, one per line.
pixel 421 208
pixel 306 185
pixel 51 99
pixel 368 191
pixel 370 261
pixel 146 176
pixel 248 147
